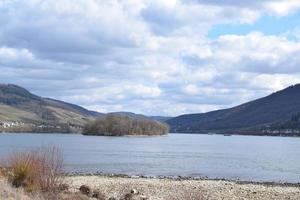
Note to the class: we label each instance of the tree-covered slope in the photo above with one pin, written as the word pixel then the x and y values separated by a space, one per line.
pixel 274 109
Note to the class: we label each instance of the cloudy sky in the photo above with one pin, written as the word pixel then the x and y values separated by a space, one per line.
pixel 156 57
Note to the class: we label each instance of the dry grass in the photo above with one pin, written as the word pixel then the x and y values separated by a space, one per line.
pixel 2 172
pixel 36 170
pixel 9 193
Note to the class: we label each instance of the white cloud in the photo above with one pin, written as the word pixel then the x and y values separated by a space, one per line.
pixel 256 52
pixel 275 7
pixel 149 57
pixel 191 89
pixel 282 8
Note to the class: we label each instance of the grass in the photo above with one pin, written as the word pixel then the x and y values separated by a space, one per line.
pixel 36 170
pixel 7 192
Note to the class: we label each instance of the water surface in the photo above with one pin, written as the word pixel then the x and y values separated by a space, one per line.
pixel 249 158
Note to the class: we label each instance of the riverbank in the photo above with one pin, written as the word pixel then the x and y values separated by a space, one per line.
pixel 162 189
pixel 168 189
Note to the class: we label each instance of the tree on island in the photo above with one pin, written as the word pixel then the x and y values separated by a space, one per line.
pixel 117 125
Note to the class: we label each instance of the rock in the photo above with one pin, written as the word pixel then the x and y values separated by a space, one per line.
pixel 63 187
pixel 84 189
pixel 128 196
pixel 98 195
pixel 134 191
pixel 112 198
pixel 143 197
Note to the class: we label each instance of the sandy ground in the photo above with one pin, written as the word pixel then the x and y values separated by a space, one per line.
pixel 167 189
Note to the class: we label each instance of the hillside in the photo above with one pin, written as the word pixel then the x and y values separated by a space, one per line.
pixel 160 118
pixel 271 115
pixel 140 116
pixel 21 110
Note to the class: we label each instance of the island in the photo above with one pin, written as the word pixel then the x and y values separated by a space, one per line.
pixel 118 125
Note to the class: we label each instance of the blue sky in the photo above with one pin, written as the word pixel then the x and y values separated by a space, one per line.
pixel 158 57
pixel 267 24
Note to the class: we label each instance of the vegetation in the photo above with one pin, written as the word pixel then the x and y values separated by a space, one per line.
pixel 7 192
pixel 117 125
pixel 36 175
pixel 249 118
pixel 36 170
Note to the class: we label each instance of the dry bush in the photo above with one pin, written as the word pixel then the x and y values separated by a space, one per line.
pixel 36 170
pixel 2 172
pixel 51 168
pixel 23 170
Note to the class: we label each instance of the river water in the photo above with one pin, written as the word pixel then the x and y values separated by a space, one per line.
pixel 248 158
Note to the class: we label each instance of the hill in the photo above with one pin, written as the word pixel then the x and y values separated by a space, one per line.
pixel 129 114
pixel 276 114
pixel 140 116
pixel 21 110
pixel 160 118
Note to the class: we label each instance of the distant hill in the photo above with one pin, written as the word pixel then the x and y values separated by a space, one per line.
pixel 276 114
pixel 129 114
pixel 42 114
pixel 140 116
pixel 160 118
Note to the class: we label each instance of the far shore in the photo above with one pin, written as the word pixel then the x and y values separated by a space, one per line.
pixel 217 134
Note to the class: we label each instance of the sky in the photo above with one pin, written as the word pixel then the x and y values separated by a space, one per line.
pixel 154 57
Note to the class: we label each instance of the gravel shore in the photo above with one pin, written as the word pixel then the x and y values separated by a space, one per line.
pixel 167 189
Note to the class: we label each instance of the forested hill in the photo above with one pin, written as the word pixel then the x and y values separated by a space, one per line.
pixel 276 114
pixel 21 110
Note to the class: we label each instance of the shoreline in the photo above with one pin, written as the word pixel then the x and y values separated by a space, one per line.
pixel 219 134
pixel 141 188
pixel 180 178
pixel 170 189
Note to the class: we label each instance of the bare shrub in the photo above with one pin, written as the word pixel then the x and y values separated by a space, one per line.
pixel 36 170
pixel 2 172
pixel 50 168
